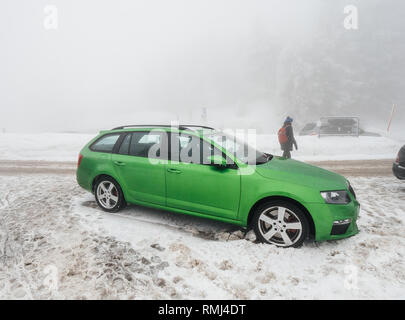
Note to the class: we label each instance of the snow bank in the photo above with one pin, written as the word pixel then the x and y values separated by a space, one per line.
pixel 42 146
pixel 66 147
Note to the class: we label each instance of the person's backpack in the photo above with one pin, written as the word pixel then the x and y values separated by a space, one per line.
pixel 282 135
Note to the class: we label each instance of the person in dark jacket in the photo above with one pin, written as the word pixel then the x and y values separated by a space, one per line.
pixel 287 147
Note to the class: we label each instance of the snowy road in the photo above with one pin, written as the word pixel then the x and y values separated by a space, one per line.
pixel 56 243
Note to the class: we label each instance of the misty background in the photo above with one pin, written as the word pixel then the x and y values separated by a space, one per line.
pixel 248 63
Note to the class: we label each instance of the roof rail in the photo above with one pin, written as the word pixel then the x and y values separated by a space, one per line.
pixel 143 125
pixel 196 126
pixel 180 127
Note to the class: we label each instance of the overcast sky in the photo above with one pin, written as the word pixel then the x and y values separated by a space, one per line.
pixel 247 62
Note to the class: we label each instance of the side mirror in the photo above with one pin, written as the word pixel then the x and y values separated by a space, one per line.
pixel 217 161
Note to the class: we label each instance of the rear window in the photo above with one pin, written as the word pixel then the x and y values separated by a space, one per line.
pixel 105 143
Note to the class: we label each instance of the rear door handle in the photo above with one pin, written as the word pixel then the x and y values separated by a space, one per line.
pixel 171 170
pixel 119 163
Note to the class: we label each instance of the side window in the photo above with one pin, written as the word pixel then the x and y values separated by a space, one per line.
pixel 191 149
pixel 147 144
pixel 105 144
pixel 124 148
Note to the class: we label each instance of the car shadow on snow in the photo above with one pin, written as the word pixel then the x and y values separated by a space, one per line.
pixel 196 226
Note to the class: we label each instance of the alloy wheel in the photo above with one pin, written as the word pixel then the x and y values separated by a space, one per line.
pixel 280 226
pixel 107 194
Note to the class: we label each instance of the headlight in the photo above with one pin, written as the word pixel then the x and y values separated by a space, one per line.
pixel 336 197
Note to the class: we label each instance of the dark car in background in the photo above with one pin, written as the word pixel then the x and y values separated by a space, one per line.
pixel 335 126
pixel 310 129
pixel 398 168
pixel 346 126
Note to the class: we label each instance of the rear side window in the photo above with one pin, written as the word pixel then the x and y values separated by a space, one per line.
pixel 105 143
pixel 142 142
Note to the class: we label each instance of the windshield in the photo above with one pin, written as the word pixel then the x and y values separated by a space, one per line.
pixel 241 150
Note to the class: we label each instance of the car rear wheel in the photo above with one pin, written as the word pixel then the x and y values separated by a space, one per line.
pixel 280 223
pixel 109 195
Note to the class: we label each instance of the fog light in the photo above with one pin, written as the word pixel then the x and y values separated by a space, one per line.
pixel 340 226
pixel 340 222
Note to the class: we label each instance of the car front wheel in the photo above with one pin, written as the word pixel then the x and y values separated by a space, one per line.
pixel 280 223
pixel 109 195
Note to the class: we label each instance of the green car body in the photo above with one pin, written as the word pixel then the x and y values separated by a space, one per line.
pixel 221 193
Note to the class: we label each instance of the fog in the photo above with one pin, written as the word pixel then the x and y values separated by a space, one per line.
pixel 248 63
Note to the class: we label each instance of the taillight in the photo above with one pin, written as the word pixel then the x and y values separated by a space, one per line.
pixel 397 159
pixel 80 160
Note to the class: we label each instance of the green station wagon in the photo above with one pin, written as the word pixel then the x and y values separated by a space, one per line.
pixel 203 172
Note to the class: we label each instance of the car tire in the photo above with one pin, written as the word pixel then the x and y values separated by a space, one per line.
pixel 109 195
pixel 280 223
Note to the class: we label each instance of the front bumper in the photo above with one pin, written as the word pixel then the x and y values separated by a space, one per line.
pixel 326 216
pixel 399 171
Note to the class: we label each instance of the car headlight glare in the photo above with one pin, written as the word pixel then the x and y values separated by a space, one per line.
pixel 336 197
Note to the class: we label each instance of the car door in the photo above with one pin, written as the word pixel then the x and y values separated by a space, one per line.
pixel 142 175
pixel 195 186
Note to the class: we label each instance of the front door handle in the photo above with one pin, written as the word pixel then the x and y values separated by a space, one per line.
pixel 119 163
pixel 171 170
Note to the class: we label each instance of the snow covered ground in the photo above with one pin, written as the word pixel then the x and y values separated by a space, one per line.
pixel 56 243
pixel 66 147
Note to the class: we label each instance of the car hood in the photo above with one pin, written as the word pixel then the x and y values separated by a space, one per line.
pixel 301 173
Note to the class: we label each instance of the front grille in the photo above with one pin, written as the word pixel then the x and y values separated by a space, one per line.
pixel 352 191
pixel 339 229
